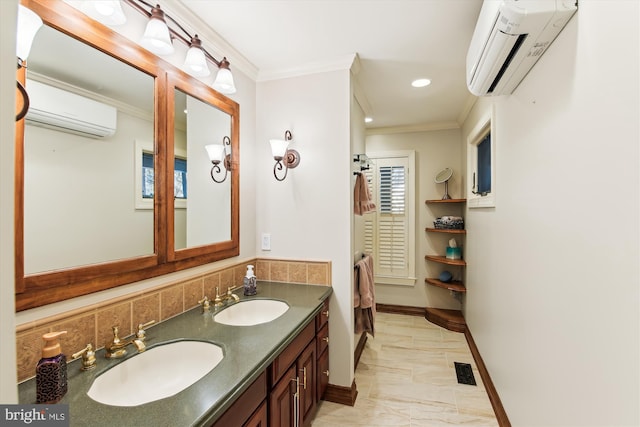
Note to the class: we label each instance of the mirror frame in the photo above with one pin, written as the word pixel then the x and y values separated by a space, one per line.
pixel 39 289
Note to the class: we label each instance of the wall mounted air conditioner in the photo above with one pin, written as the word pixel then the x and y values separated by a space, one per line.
pixel 510 36
pixel 64 111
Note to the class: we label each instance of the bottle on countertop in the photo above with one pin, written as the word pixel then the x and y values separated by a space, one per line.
pixel 250 282
pixel 51 371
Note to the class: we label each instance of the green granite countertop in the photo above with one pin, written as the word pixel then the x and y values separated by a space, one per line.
pixel 248 351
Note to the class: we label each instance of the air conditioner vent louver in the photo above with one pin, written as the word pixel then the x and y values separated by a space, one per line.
pixel 68 112
pixel 508 40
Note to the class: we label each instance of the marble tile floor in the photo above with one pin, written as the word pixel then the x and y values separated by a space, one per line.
pixel 406 378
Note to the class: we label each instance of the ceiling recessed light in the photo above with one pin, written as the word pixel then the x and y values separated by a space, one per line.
pixel 421 83
pixel 368 119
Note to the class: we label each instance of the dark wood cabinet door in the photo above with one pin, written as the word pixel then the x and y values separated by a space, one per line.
pixel 281 400
pixel 259 417
pixel 307 373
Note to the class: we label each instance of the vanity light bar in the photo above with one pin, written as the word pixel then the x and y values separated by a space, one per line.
pixel 224 79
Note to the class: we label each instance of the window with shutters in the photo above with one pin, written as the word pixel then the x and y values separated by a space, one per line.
pixel 389 231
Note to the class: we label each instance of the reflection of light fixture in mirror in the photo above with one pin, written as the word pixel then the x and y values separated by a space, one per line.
pixel 109 12
pixel 156 37
pixel 224 79
pixel 284 157
pixel 217 153
pixel 28 25
pixel 444 176
pixel 195 63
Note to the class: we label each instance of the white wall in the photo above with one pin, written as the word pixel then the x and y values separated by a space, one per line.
pixel 553 274
pixel 8 378
pixel 435 150
pixel 308 214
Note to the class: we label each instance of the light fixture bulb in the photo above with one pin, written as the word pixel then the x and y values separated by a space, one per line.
pixel 28 25
pixel 216 152
pixel 109 12
pixel 421 82
pixel 279 148
pixel 368 119
pixel 195 62
pixel 156 36
pixel 224 79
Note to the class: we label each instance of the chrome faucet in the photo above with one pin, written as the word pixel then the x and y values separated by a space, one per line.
pixel 117 348
pixel 222 299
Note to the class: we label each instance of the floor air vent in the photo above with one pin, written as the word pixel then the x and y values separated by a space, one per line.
pixel 464 372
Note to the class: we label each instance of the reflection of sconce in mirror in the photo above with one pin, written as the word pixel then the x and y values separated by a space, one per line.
pixel 285 158
pixel 28 25
pixel 217 154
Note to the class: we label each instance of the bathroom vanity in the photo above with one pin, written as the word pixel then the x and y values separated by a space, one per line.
pixel 272 373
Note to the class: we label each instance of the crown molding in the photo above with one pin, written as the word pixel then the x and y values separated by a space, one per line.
pixel 426 127
pixel 344 62
pixel 212 41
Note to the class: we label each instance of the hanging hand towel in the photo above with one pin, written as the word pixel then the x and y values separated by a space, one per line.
pixel 362 202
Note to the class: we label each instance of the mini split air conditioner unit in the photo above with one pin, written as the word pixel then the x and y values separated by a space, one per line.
pixel 508 40
pixel 68 112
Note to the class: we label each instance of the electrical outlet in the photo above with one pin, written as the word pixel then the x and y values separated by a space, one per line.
pixel 266 242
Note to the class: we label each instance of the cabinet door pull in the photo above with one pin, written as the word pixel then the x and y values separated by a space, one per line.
pixel 325 313
pixel 304 378
pixel 326 339
pixel 326 372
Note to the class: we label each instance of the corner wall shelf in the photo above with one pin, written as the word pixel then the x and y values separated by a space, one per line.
pixel 448 319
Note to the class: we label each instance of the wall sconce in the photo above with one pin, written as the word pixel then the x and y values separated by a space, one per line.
pixel 217 153
pixel 27 26
pixel 285 158
pixel 158 38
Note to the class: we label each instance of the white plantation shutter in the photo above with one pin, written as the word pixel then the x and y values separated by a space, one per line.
pixel 389 230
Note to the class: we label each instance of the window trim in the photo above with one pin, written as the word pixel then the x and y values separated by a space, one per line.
pixel 411 278
pixel 484 126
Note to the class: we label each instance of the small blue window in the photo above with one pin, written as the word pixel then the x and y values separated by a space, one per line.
pixel 179 177
pixel 484 166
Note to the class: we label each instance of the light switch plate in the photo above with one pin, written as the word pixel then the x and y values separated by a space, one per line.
pixel 266 242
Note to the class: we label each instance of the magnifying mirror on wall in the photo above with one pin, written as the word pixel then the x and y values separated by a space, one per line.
pixel 444 176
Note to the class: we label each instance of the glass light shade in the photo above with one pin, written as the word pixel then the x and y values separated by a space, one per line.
pixel 28 25
pixel 109 12
pixel 195 63
pixel 224 82
pixel 216 152
pixel 156 37
pixel 279 148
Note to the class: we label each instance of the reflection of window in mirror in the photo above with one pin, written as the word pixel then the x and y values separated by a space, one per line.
pixel 480 162
pixel 145 182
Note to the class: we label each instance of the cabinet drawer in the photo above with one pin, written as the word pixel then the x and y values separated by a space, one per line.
pixel 291 353
pixel 323 317
pixel 237 413
pixel 322 340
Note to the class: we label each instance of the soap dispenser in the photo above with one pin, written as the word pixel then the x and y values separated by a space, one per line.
pixel 51 371
pixel 250 282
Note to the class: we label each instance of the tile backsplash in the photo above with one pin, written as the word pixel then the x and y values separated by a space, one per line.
pixel 93 324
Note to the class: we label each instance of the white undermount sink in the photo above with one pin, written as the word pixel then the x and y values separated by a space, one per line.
pixel 159 372
pixel 252 312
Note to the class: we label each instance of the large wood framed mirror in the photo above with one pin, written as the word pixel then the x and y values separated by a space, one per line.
pixel 96 212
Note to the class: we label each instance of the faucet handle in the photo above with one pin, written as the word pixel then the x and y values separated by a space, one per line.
pixel 88 357
pixel 141 334
pixel 205 304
